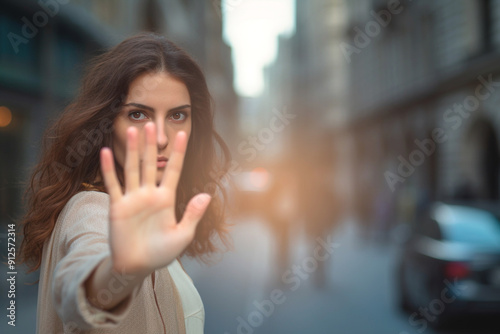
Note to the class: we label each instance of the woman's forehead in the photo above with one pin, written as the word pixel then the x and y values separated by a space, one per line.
pixel 157 88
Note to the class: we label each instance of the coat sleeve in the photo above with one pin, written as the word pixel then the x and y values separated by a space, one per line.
pixel 83 238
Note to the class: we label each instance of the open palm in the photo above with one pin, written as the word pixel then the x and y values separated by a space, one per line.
pixel 144 233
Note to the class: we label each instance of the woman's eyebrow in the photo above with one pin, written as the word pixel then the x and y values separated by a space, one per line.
pixel 180 107
pixel 138 105
pixel 142 106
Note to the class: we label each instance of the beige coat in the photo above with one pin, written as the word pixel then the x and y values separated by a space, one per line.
pixel 79 242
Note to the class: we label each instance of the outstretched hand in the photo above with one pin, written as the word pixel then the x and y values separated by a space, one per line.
pixel 144 233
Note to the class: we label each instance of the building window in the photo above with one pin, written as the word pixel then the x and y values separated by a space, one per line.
pixel 485 10
pixel 152 16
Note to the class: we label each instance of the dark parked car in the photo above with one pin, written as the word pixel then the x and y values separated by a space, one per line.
pixel 450 265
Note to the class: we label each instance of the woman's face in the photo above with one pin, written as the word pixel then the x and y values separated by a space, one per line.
pixel 159 98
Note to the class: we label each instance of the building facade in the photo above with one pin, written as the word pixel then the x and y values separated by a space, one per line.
pixel 423 87
pixel 403 94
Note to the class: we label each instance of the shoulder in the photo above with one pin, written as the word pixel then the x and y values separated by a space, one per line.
pixel 85 210
pixel 87 201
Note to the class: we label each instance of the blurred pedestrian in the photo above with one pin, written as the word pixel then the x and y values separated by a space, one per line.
pixel 281 213
pixel 320 204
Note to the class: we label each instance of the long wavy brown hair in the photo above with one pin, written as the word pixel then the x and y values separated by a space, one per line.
pixel 70 149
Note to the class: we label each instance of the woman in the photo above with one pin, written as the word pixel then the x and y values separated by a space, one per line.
pixel 107 240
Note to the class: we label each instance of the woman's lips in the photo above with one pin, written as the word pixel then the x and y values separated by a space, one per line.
pixel 161 162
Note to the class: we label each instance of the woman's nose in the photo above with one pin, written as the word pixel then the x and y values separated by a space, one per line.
pixel 161 136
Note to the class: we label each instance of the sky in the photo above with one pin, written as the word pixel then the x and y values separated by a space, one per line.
pixel 251 28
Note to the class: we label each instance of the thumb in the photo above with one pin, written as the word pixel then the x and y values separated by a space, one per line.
pixel 195 210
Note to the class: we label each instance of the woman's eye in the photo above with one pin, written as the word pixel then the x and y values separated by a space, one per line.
pixel 178 116
pixel 137 115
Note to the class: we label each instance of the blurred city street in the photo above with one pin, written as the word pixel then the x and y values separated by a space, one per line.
pixel 358 296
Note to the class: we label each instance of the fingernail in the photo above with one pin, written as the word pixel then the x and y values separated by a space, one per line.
pixel 202 200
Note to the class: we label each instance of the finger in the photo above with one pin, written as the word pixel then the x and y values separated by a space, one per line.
pixel 109 174
pixel 150 156
pixel 175 162
pixel 132 161
pixel 195 210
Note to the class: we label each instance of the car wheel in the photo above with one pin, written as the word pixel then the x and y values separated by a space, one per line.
pixel 404 303
pixel 442 320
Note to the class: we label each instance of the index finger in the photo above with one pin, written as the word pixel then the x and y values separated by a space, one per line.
pixel 173 171
pixel 109 175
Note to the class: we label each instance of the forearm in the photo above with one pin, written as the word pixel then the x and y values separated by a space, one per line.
pixel 106 288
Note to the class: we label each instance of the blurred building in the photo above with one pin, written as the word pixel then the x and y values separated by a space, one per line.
pixel 423 87
pixel 403 96
pixel 44 46
pixel 309 80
